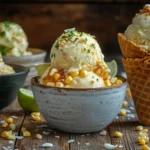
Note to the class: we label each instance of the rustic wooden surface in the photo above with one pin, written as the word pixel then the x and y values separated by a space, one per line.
pixel 89 141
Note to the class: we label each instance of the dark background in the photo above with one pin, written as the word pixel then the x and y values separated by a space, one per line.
pixel 44 20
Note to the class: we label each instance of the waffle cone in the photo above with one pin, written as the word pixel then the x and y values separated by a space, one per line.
pixel 130 49
pixel 138 74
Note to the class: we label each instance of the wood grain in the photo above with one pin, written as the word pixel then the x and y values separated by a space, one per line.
pixel 18 121
pixel 33 143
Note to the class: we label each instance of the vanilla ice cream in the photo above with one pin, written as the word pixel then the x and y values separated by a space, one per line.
pixel 13 40
pixel 77 62
pixel 139 30
pixel 5 69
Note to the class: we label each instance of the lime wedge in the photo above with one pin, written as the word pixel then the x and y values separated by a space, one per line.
pixel 113 68
pixel 27 101
pixel 41 68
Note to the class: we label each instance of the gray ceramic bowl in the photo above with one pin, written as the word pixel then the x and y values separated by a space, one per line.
pixel 79 110
pixel 28 61
pixel 10 84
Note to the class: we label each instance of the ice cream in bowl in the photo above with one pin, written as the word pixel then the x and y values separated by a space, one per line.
pixel 14 47
pixel 76 93
pixel 135 47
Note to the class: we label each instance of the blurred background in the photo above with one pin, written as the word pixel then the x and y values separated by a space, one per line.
pixel 44 20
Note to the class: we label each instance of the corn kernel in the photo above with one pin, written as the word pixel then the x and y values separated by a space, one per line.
pixel 9 120
pixel 53 71
pixel 118 81
pixel 123 112
pixel 128 93
pixel 144 131
pixel 38 136
pixel 105 75
pixel 142 142
pixel 125 103
pixel 56 76
pixel 83 73
pixel 4 125
pixel 113 80
pixel 118 134
pixel 68 80
pixel 4 134
pixel 12 126
pixel 8 135
pixel 98 72
pixel 74 74
pixel 107 83
pixel 59 84
pixel 50 84
pixel 145 147
pixel 139 128
pixel 23 129
pixel 26 133
pixel 35 116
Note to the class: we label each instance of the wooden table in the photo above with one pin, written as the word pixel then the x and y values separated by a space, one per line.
pixel 91 141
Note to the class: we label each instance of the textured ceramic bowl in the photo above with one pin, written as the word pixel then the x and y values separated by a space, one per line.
pixel 79 110
pixel 10 84
pixel 28 61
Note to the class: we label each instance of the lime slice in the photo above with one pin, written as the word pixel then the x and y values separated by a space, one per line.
pixel 41 68
pixel 113 68
pixel 27 101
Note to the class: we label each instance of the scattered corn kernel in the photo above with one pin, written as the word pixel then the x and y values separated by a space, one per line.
pixel 9 120
pixel 8 135
pixel 4 125
pixel 145 147
pixel 74 74
pixel 68 80
pixel 125 103
pixel 56 76
pixel 23 129
pixel 118 134
pixel 107 82
pixel 128 93
pixel 26 133
pixel 123 112
pixel 38 136
pixel 142 141
pixel 83 73
pixel 36 116
pixel 105 75
pixel 139 128
pixel 144 131
pixel 12 126
pixel 59 84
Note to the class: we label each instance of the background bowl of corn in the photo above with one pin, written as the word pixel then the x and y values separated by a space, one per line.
pixel 79 110
pixel 10 84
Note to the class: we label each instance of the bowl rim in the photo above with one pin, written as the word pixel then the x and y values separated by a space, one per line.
pixel 26 70
pixel 35 83
pixel 43 52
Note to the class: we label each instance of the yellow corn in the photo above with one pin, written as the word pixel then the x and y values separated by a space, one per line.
pixel 105 75
pixel 8 135
pixel 56 76
pixel 68 80
pixel 4 125
pixel 59 84
pixel 23 129
pixel 107 83
pixel 98 72
pixel 92 81
pixel 145 147
pixel 125 103
pixel 35 116
pixel 123 112
pixel 50 84
pixel 139 128
pixel 118 81
pixel 74 74
pixel 4 134
pixel 142 141
pixel 26 133
pixel 83 73
pixel 143 131
pixel 12 126
pixel 118 134
pixel 38 136
pixel 9 120
pixel 128 93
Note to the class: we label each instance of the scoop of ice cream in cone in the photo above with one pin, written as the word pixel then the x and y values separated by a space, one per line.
pixel 135 47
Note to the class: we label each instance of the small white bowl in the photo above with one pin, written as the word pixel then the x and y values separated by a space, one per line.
pixel 28 61
pixel 79 110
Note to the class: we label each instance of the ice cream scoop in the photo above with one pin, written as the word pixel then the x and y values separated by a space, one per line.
pixel 138 31
pixel 13 40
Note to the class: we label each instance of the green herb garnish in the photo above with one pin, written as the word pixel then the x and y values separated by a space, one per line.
pixel 2 33
pixel 3 50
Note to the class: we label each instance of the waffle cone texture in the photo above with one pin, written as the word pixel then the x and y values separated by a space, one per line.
pixel 136 62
